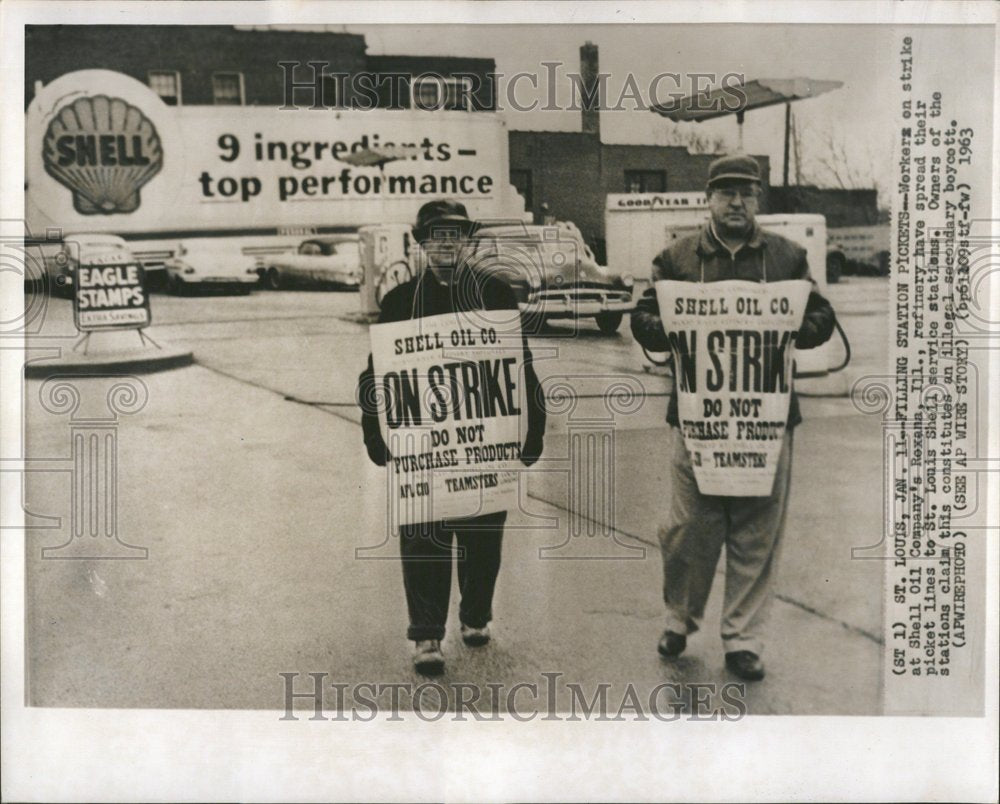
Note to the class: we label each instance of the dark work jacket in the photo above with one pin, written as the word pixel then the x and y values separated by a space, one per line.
pixel 764 253
pixel 425 296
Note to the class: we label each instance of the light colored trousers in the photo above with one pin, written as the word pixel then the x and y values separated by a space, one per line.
pixel 692 538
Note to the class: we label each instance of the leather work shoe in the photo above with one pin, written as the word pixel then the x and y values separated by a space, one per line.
pixel 475 637
pixel 672 645
pixel 745 664
pixel 427 657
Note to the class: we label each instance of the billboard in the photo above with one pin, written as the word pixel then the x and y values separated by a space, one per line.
pixel 104 153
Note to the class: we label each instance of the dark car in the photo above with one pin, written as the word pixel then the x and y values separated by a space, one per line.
pixel 553 273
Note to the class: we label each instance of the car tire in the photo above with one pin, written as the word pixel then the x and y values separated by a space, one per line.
pixel 176 285
pixel 834 268
pixel 608 323
pixel 273 280
pixel 61 287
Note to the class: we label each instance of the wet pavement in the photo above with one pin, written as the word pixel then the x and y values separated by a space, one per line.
pixel 245 478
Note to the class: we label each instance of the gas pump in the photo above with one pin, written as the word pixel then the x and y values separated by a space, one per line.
pixel 387 259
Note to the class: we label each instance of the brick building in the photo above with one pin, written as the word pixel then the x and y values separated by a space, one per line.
pixel 569 172
pixel 225 65
pixel 572 172
pixel 840 207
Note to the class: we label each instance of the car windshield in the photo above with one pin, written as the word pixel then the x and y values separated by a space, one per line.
pixel 546 237
pixel 505 239
pixel 314 248
pixel 103 245
pixel 101 251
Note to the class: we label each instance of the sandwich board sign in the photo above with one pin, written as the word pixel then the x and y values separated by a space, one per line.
pixel 110 294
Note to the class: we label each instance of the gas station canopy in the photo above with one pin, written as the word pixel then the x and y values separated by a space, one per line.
pixel 759 93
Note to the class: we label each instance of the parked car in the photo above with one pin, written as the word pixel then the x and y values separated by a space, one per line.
pixel 553 273
pixel 333 261
pixel 210 266
pixel 865 249
pixel 836 262
pixel 86 250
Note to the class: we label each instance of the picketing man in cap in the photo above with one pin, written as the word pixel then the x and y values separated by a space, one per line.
pixel 449 283
pixel 731 245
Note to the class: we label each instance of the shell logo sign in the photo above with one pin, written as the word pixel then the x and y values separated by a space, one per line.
pixel 104 153
pixel 104 150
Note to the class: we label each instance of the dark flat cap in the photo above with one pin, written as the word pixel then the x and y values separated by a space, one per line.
pixel 442 215
pixel 733 168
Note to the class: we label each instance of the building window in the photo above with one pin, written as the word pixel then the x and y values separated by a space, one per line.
pixel 521 179
pixel 431 93
pixel 456 94
pixel 645 181
pixel 227 89
pixel 166 84
pixel 331 91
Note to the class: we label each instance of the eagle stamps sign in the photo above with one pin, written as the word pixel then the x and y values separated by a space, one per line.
pixel 732 344
pixel 110 294
pixel 450 396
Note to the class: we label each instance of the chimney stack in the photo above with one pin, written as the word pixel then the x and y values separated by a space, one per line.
pixel 589 70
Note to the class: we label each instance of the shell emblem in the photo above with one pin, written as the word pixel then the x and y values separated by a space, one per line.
pixel 104 150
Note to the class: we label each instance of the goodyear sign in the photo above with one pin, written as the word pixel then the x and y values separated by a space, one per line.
pixel 110 294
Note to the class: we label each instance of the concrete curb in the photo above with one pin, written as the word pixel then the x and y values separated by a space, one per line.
pixel 110 364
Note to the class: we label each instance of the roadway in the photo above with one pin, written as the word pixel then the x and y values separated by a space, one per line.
pixel 245 477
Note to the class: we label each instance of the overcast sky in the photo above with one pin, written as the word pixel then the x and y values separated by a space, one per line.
pixel 856 118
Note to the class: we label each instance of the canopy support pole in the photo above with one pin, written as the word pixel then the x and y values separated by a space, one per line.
pixel 788 128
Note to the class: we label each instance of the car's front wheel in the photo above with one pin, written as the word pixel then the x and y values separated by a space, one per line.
pixel 835 264
pixel 608 323
pixel 176 285
pixel 62 287
pixel 272 279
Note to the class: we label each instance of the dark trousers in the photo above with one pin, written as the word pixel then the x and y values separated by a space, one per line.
pixel 426 550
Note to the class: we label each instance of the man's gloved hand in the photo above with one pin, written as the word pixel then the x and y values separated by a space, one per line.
pixel 379 454
pixel 808 336
pixel 532 450
pixel 818 323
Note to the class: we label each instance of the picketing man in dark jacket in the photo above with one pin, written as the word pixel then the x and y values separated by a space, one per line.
pixel 449 283
pixel 731 245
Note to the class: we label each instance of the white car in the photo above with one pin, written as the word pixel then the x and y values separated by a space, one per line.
pixel 85 250
pixel 210 266
pixel 334 260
